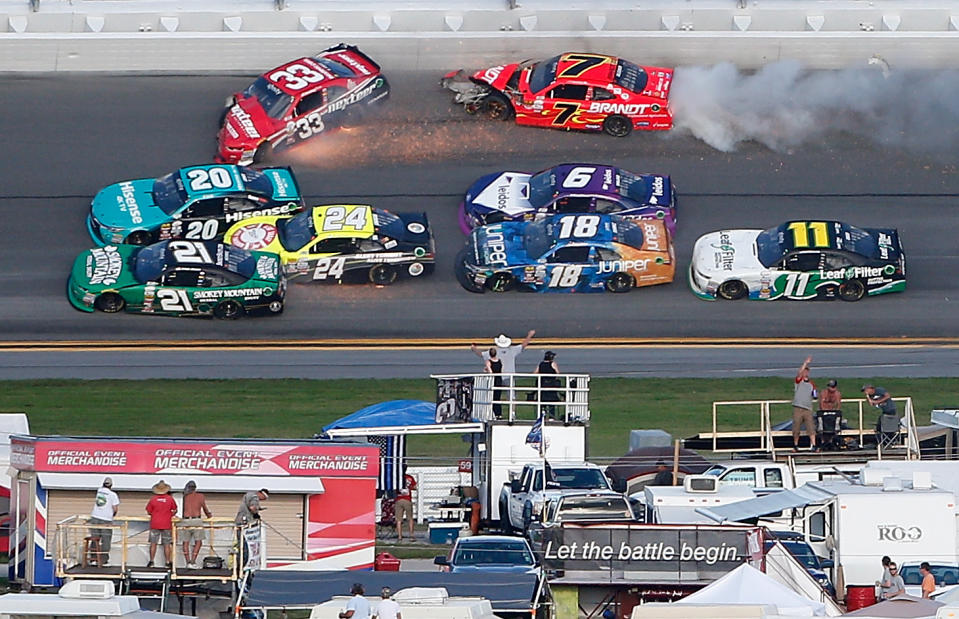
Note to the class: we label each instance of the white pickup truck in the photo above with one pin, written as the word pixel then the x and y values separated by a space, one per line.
pixel 765 476
pixel 523 498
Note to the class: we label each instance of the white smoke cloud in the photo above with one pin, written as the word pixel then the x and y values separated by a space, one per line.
pixel 783 105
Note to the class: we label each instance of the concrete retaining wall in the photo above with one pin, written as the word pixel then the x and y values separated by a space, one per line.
pixel 245 36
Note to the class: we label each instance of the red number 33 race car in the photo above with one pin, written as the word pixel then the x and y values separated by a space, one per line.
pixel 590 92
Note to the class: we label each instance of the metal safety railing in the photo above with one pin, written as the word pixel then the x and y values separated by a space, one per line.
pixel 763 409
pixel 85 549
pixel 512 397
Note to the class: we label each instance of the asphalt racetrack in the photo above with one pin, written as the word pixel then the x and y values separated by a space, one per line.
pixel 67 136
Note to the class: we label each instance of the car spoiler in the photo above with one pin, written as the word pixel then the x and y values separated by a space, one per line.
pixel 296 182
pixel 343 47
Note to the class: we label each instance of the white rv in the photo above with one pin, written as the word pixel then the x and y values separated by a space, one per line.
pixel 417 603
pixel 678 504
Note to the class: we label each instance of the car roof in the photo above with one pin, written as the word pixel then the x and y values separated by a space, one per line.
pixel 278 76
pixel 602 72
pixel 321 215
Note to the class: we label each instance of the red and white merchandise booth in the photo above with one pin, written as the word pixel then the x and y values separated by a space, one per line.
pixel 320 512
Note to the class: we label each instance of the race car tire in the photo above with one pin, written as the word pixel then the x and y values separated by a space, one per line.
pixel 264 152
pixel 619 282
pixel 382 275
pixel 732 290
pixel 617 126
pixel 851 291
pixel 228 310
pixel 275 307
pixel 140 237
pixel 501 282
pixel 110 303
pixel 461 276
pixel 497 107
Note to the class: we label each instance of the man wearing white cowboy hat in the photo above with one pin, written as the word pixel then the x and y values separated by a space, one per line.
pixel 505 350
pixel 161 508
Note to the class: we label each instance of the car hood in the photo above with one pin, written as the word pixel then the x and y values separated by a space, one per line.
pixel 507 192
pixel 128 204
pixel 726 252
pixel 498 245
pixel 496 76
pixel 256 234
pixel 246 123
pixel 105 268
pixel 501 568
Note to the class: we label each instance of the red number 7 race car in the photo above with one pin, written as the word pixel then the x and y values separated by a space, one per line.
pixel 590 92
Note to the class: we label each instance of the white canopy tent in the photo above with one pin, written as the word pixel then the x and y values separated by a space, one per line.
pixel 747 585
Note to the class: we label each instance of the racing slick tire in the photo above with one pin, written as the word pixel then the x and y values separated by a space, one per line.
pixel 139 237
pixel 382 275
pixel 497 107
pixel 853 290
pixel 460 271
pixel 228 310
pixel 275 307
pixel 732 290
pixel 620 282
pixel 109 303
pixel 264 152
pixel 501 282
pixel 617 126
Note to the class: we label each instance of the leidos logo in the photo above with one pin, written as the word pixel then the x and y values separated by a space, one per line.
pixel 896 533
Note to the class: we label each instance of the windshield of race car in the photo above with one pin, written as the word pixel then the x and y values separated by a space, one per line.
pixel 389 224
pixel 168 193
pixel 273 101
pixel 297 231
pixel 633 186
pixel 151 261
pixel 629 233
pixel 543 74
pixel 256 181
pixel 538 238
pixel 772 244
pixel 630 76
pixel 542 188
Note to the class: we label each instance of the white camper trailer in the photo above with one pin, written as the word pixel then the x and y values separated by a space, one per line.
pixel 417 603
pixel 677 504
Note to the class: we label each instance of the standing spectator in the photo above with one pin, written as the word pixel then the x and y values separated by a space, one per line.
pixel 928 580
pixel 896 584
pixel 194 506
pixel 358 607
pixel 161 508
pixel 387 608
pixel 404 505
pixel 664 477
pixel 506 352
pixel 105 507
pixel 494 366
pixel 887 424
pixel 804 395
pixel 248 514
pixel 548 385
pixel 830 398
pixel 886 574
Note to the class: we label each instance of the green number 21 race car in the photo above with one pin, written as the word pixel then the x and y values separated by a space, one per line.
pixel 177 278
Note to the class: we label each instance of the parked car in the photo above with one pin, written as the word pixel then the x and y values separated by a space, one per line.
pixel 489 553
pixel 580 507
pixel 945 574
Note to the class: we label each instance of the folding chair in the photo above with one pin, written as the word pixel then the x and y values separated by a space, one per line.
pixel 386 525
pixel 829 428
pixel 887 431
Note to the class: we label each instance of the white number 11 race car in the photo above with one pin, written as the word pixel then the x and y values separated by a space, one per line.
pixel 798 260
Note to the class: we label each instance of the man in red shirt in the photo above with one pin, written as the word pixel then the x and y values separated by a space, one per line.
pixel 404 505
pixel 161 508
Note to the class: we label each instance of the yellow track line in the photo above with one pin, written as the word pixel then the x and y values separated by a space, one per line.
pixel 455 343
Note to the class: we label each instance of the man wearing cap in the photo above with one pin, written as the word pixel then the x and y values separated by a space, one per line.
pixel 804 395
pixel 105 507
pixel 387 608
pixel 830 399
pixel 161 508
pixel 194 506
pixel 358 607
pixel 888 422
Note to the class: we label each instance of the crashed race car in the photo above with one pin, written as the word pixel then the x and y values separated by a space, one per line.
pixel 297 101
pixel 588 92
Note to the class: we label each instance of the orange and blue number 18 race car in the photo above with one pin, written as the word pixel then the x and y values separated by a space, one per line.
pixel 590 92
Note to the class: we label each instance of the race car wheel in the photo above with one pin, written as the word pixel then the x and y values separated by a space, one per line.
pixel 228 310
pixel 853 290
pixel 497 107
pixel 263 153
pixel 140 237
pixel 382 275
pixel 732 290
pixel 501 282
pixel 276 307
pixel 619 282
pixel 617 126
pixel 110 303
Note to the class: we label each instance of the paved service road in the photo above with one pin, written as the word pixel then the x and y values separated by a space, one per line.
pixel 67 136
pixel 638 362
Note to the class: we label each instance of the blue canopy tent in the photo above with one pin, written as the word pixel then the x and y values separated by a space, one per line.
pixel 387 424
